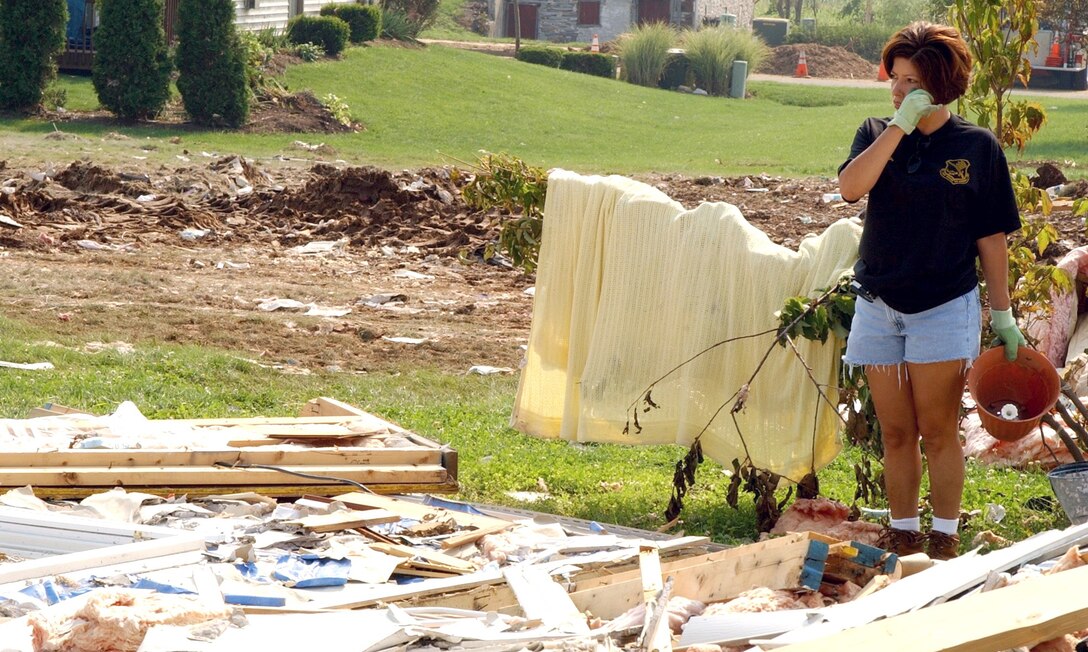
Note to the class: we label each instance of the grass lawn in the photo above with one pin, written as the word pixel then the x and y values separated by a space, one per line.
pixel 438 105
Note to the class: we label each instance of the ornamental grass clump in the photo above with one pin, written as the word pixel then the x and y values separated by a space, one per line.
pixel 711 52
pixel 645 51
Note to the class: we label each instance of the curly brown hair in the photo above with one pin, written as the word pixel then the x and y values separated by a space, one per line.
pixel 938 52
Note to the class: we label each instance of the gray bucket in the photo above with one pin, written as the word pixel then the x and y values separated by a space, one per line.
pixel 1070 484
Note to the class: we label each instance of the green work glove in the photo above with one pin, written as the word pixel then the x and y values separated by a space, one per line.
pixel 915 106
pixel 1004 326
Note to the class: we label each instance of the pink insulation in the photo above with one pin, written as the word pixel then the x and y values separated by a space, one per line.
pixel 1052 333
pixel 765 599
pixel 114 620
pixel 1046 449
pixel 825 517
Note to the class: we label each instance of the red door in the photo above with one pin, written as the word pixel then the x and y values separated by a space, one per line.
pixel 528 20
pixel 653 11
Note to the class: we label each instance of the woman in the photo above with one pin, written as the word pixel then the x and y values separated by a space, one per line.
pixel 940 195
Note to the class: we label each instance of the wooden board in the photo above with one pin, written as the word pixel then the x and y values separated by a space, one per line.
pixel 1021 615
pixel 449 486
pixel 346 520
pixel 179 475
pixel 782 563
pixel 149 457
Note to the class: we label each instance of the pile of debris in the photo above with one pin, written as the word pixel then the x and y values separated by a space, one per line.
pixel 366 573
pixel 233 199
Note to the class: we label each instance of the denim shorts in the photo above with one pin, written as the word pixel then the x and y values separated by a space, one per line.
pixel 881 335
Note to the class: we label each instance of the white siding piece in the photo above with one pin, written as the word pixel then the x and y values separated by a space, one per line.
pixel 275 13
pixel 88 543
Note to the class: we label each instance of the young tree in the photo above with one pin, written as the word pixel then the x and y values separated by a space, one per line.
pixel 31 37
pixel 998 35
pixel 211 63
pixel 131 71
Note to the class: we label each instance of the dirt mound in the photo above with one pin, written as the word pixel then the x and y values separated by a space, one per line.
pixel 296 113
pixel 823 61
pixel 233 200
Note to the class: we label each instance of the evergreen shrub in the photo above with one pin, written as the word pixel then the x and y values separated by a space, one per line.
pixel 211 63
pixel 131 70
pixel 540 55
pixel 590 63
pixel 31 37
pixel 330 32
pixel 364 21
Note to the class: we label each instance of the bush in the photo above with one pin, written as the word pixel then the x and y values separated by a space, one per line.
pixel 543 56
pixel 309 52
pixel 211 63
pixel 131 70
pixel 329 32
pixel 421 13
pixel 364 21
pixel 644 53
pixel 710 53
pixel 397 25
pixel 677 72
pixel 866 41
pixel 590 63
pixel 31 37
pixel 270 38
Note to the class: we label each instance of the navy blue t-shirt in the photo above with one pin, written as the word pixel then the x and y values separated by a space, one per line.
pixel 937 195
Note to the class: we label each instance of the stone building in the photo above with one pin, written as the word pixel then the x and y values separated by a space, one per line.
pixel 568 21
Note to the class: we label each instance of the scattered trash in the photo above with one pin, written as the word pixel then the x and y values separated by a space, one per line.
pixel 290 305
pixel 7 221
pixel 27 366
pixel 318 247
pixel 384 298
pixel 409 274
pixel 194 234
pixel 994 512
pixel 485 370
pixel 226 264
pixel 323 311
pixel 405 340
pixel 146 198
pixel 831 196
pixel 531 291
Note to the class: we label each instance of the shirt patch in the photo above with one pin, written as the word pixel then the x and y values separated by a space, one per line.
pixel 955 171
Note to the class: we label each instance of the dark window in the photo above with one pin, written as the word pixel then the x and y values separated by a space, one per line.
pixel 589 12
pixel 249 4
pixel 687 6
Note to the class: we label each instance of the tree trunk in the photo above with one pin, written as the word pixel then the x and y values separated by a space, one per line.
pixel 517 27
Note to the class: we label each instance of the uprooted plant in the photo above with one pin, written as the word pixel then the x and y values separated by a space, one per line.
pixel 813 319
pixel 517 190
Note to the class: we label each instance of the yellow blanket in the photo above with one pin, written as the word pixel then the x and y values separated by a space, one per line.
pixel 630 284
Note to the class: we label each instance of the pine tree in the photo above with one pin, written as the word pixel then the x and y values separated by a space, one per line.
pixel 131 71
pixel 211 63
pixel 31 37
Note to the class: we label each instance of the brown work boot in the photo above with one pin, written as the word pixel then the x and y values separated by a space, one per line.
pixel 942 546
pixel 901 542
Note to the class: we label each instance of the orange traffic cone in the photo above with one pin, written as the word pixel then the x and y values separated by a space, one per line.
pixel 595 46
pixel 1054 59
pixel 802 66
pixel 882 74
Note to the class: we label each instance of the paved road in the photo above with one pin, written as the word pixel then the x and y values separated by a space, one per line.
pixel 863 83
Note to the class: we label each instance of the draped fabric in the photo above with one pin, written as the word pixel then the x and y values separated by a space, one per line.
pixel 630 285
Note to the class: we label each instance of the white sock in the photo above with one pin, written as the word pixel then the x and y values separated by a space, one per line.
pixel 909 524
pixel 946 525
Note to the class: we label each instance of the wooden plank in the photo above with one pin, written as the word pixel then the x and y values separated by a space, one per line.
pixel 346 520
pixel 1023 614
pixel 355 597
pixel 775 563
pixel 177 475
pixel 542 599
pixel 425 553
pixel 323 406
pixel 418 510
pixel 174 457
pixel 447 486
